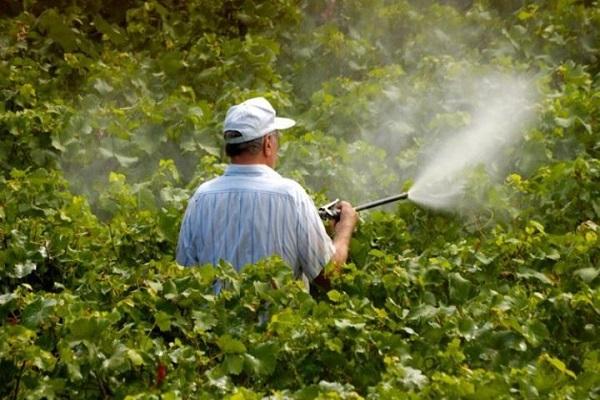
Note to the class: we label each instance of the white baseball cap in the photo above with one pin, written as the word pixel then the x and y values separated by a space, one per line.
pixel 253 118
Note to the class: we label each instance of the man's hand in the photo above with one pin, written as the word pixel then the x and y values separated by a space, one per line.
pixel 348 218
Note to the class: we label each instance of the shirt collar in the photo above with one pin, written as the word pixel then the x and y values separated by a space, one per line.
pixel 250 170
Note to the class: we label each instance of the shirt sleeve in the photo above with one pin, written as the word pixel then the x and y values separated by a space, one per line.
pixel 315 247
pixel 186 252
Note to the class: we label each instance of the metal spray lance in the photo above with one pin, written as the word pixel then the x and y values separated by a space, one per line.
pixel 329 211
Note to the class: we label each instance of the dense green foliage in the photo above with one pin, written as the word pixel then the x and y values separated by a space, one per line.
pixel 110 116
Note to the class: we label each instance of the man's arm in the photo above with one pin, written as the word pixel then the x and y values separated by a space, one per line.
pixel 341 241
pixel 343 233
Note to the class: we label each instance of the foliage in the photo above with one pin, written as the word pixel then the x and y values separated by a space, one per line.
pixel 110 116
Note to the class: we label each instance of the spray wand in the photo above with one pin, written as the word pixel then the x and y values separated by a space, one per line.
pixel 329 211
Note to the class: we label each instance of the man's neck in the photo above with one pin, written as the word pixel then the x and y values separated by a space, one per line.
pixel 245 160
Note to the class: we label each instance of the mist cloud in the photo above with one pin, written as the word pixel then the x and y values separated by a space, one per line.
pixel 502 108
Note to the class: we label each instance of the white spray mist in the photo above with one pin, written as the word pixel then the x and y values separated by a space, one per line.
pixel 500 115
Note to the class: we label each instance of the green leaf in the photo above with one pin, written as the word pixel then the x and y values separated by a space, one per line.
pixel 234 363
pixel 7 298
pixel 535 332
pixel 196 112
pixel 212 150
pixel 413 378
pixel 345 324
pixel 424 311
pixel 147 138
pixel 163 321
pixel 460 288
pixel 203 321
pixel 467 328
pixel 88 327
pixel 112 32
pixel 262 359
pixel 40 358
pixel 116 362
pixel 57 30
pixel 37 312
pixel 103 87
pixel 123 160
pixel 482 258
pixel 284 322
pixel 173 395
pixel 528 273
pixel 21 270
pixel 564 122
pixel 587 274
pixel 229 345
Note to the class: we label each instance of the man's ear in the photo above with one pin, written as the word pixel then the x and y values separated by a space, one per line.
pixel 268 147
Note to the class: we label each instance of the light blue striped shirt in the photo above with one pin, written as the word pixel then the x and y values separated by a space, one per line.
pixel 251 212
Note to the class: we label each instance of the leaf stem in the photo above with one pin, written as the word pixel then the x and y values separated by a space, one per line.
pixel 21 370
pixel 105 392
pixel 112 242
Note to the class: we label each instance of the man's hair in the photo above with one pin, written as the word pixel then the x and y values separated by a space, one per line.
pixel 235 149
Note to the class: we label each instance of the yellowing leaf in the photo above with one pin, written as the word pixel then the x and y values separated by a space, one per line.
pixel 335 296
pixel 135 357
pixel 558 364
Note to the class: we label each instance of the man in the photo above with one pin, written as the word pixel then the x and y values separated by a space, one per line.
pixel 251 212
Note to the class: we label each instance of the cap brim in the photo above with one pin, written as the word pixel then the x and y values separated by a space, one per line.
pixel 283 123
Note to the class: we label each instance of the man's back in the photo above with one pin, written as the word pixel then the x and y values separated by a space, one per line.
pixel 249 213
pixel 252 212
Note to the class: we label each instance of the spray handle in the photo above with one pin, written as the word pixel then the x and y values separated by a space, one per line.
pixel 330 211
